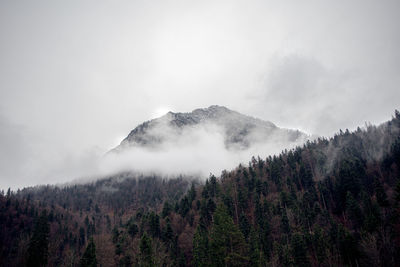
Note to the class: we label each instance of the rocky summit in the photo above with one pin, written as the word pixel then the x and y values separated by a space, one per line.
pixel 239 131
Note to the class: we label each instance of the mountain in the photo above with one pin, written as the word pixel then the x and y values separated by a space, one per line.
pixel 330 202
pixel 239 131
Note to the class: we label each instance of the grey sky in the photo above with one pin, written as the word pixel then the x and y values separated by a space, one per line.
pixel 77 76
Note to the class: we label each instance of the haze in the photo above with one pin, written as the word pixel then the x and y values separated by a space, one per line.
pixel 76 77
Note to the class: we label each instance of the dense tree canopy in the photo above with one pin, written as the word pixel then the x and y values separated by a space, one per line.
pixel 331 202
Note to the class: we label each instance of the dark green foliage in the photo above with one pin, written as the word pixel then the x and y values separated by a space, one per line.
pixel 320 243
pixel 305 176
pixel 351 171
pixel 211 206
pixel 284 254
pixel 166 209
pixel 205 192
pixel 227 199
pixel 243 200
pixel 192 194
pixel 372 215
pixel 89 257
pixel 353 210
pixel 132 229
pixel 184 206
pixel 244 225
pixel 397 192
pixel 265 238
pixel 285 223
pixel 299 250
pixel 213 186
pixel 38 245
pixel 125 261
pixel 115 235
pixel 347 246
pixel 146 251
pixel 201 253
pixel 79 212
pixel 381 194
pixel 256 256
pixel 154 223
pixel 167 232
pixel 227 243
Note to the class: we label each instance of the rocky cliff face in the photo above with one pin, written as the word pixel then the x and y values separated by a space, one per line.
pixel 238 131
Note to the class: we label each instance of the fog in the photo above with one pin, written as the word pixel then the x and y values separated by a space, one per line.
pixel 76 77
pixel 195 151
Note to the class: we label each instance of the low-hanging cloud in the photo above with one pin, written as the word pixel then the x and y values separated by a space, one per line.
pixel 195 151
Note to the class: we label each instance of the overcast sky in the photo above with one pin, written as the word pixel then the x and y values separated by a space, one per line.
pixel 77 76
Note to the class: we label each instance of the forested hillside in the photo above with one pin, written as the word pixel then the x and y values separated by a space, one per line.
pixel 331 202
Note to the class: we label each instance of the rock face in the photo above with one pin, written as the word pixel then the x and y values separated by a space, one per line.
pixel 239 131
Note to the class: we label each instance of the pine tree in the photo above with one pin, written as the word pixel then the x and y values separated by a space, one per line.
pixel 244 225
pixel 168 233
pixel 184 206
pixel 285 223
pixel 89 257
pixel 299 250
pixel 255 253
pixel 132 229
pixel 201 253
pixel 154 224
pixel 38 245
pixel 192 194
pixel 146 251
pixel 353 210
pixel 167 208
pixel 381 194
pixel 228 246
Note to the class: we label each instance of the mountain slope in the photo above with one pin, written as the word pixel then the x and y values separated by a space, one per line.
pixel 331 202
pixel 239 131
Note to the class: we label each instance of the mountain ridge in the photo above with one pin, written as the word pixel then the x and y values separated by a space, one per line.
pixel 239 131
pixel 331 202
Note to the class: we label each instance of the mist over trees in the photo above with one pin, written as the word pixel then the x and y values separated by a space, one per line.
pixel 330 202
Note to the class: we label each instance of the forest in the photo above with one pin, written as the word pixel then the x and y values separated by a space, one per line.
pixel 331 202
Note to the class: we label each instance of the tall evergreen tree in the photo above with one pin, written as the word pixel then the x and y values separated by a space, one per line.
pixel 154 223
pixel 228 246
pixel 244 225
pixel 192 194
pixel 353 210
pixel 255 252
pixel 201 253
pixel 167 208
pixel 38 245
pixel 146 251
pixel 381 194
pixel 89 257
pixel 299 250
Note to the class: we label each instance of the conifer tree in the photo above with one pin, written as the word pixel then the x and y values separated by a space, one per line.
pixel 201 253
pixel 146 251
pixel 89 257
pixel 38 245
pixel 192 194
pixel 353 210
pixel 228 246
pixel 167 208
pixel 381 194
pixel 255 252
pixel 299 250
pixel 244 225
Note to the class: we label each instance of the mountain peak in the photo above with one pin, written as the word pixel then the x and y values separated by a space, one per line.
pixel 218 108
pixel 239 130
